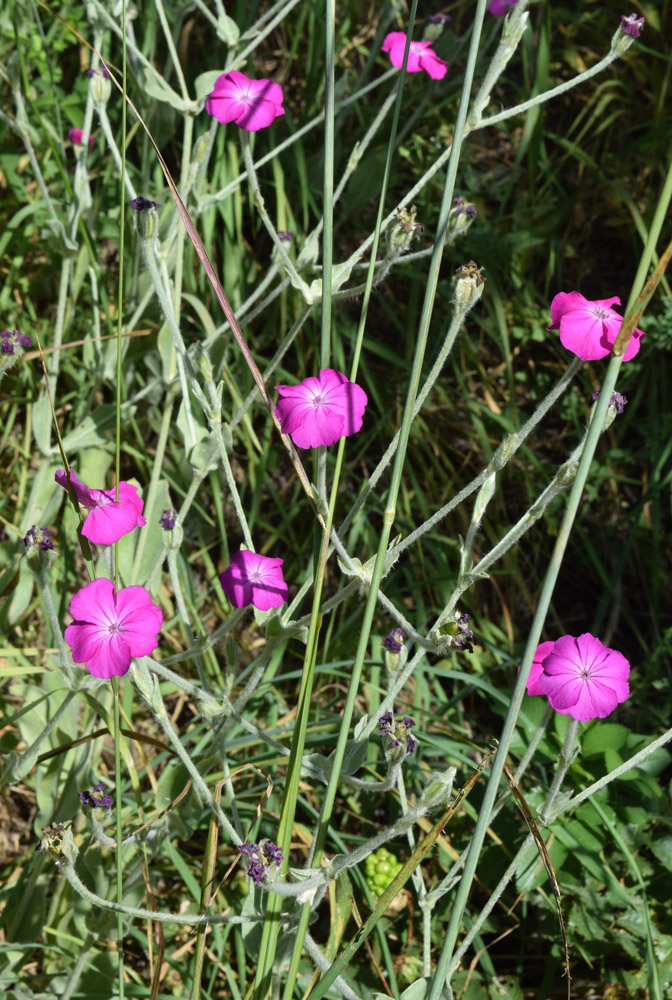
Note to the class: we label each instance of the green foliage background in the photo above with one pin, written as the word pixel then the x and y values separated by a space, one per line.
pixel 565 196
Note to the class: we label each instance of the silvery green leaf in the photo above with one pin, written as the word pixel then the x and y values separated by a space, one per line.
pixel 204 83
pixel 227 29
pixel 156 87
pixel 60 244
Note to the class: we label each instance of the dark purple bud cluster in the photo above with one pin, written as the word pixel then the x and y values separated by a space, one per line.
pixel 100 70
pixel 264 857
pixel 141 204
pixel 284 236
pixel 96 798
pixel 398 735
pixel 632 25
pixel 168 519
pixel 38 538
pixel 464 637
pixel 11 339
pixel 617 399
pixel 394 642
pixel 439 18
pixel 464 207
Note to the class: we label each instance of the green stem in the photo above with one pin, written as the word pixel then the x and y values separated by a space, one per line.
pixel 119 834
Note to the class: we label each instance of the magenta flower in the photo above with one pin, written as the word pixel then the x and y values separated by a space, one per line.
pixel 254 579
pixel 501 7
pixel 589 329
pixel 111 628
pixel 321 409
pixel 251 104
pixel 543 649
pixel 76 137
pixel 421 56
pixel 581 677
pixel 109 519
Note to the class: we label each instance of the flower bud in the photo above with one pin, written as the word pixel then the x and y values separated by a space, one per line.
pixel 172 529
pixel 460 217
pixel 100 85
pixel 468 285
pixel 405 230
pixel 630 28
pixel 146 218
pixel 395 653
pixel 439 789
pixel 39 547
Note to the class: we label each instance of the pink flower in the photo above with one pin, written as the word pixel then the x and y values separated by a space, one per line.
pixel 251 104
pixel 501 7
pixel 321 409
pixel 583 678
pixel 543 649
pixel 420 57
pixel 109 519
pixel 111 628
pixel 254 579
pixel 75 135
pixel 589 329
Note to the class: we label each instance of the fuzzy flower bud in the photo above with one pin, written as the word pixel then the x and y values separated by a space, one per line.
pixel 39 548
pixel 630 28
pixel 405 230
pixel 460 217
pixel 100 85
pixel 468 285
pixel 439 788
pixel 395 653
pixel 146 218
pixel 172 529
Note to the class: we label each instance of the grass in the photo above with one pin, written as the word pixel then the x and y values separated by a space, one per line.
pixel 565 197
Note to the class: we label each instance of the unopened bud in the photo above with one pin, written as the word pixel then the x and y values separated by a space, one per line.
pixel 100 84
pixel 460 218
pixel 146 217
pixel 404 231
pixel 468 285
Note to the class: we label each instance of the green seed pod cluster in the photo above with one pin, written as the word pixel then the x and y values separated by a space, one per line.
pixel 381 868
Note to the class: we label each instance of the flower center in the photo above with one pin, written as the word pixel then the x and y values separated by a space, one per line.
pixel 114 628
pixel 599 312
pixel 319 401
pixel 256 576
